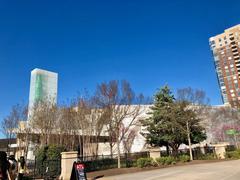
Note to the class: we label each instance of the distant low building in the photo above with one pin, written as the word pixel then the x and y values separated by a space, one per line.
pixel 8 145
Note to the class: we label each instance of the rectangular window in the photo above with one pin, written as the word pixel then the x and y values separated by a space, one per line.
pixel 236 85
pixel 212 42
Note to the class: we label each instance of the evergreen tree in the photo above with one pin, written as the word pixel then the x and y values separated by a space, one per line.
pixel 167 122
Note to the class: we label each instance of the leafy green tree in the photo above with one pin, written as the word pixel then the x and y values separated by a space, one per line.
pixel 168 120
pixel 193 102
pixel 50 152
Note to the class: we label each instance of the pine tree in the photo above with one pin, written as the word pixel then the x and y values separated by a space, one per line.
pixel 167 122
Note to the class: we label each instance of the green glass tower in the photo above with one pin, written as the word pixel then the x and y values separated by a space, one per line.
pixel 43 87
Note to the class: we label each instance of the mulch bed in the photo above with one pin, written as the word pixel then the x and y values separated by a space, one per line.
pixel 116 171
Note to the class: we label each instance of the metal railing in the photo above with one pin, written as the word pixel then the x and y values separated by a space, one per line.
pixel 50 169
pixel 197 152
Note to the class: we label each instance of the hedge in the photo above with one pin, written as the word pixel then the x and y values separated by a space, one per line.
pixel 145 162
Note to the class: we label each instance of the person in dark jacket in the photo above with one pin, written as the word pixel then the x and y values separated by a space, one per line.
pixel 4 166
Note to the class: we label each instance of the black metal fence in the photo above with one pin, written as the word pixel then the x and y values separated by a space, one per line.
pixel 230 148
pixel 50 169
pixel 197 152
pixel 108 162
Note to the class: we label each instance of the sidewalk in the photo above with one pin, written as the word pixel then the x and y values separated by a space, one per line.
pixel 116 171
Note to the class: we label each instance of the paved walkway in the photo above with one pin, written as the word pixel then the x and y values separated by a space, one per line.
pixel 226 170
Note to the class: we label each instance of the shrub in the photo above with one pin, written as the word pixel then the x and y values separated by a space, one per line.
pixel 54 151
pixel 41 154
pixel 233 154
pixel 207 157
pixel 166 160
pixel 144 162
pixel 161 160
pixel 184 158
pixel 129 163
pixel 170 160
pixel 49 152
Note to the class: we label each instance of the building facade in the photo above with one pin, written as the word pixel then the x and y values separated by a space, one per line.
pixel 43 87
pixel 226 48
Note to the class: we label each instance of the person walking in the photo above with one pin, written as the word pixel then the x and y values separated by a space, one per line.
pixel 21 168
pixel 13 169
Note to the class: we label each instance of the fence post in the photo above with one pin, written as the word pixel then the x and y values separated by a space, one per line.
pixel 59 165
pixel 34 167
pixel 126 160
pixel 67 159
pixel 42 169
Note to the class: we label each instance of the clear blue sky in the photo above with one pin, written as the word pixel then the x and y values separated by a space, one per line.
pixel 149 43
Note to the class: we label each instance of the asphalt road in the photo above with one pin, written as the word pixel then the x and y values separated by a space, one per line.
pixel 226 170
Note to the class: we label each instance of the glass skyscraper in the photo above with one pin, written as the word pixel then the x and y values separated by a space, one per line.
pixel 43 87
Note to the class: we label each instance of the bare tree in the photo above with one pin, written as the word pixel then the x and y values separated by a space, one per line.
pixel 118 100
pixel 43 120
pixel 10 123
pixel 83 123
pixel 129 138
pixel 66 126
pixel 223 121
pixel 193 96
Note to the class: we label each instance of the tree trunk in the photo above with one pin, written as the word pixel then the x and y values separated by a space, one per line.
pixel 26 146
pixel 8 144
pixel 167 147
pixel 174 150
pixel 46 139
pixel 111 149
pixel 97 145
pixel 189 142
pixel 118 153
pixel 235 140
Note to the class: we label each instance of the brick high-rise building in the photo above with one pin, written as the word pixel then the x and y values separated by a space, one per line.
pixel 226 49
